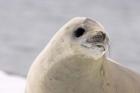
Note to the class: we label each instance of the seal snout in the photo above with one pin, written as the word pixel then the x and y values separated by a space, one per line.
pixel 98 38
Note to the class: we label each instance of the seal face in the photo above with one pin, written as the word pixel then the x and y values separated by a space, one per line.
pixel 90 36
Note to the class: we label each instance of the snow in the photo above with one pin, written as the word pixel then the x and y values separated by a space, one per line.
pixel 11 83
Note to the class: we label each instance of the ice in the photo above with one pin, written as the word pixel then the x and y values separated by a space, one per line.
pixel 11 83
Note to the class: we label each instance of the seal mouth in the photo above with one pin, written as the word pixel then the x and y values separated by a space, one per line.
pixel 95 50
pixel 93 46
pixel 101 46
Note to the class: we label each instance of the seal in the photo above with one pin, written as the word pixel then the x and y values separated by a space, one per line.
pixel 75 61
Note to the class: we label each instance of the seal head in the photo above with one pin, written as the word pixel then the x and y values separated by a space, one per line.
pixel 85 36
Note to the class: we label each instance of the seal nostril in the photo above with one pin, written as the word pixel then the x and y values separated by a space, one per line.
pixel 99 37
pixel 79 32
pixel 103 35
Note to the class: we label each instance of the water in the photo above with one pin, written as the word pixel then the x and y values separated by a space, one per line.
pixel 26 26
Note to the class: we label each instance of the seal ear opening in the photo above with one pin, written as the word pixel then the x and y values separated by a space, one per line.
pixel 79 32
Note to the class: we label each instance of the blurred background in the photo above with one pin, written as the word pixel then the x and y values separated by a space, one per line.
pixel 26 26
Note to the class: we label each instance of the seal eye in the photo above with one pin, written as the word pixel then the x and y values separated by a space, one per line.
pixel 79 32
